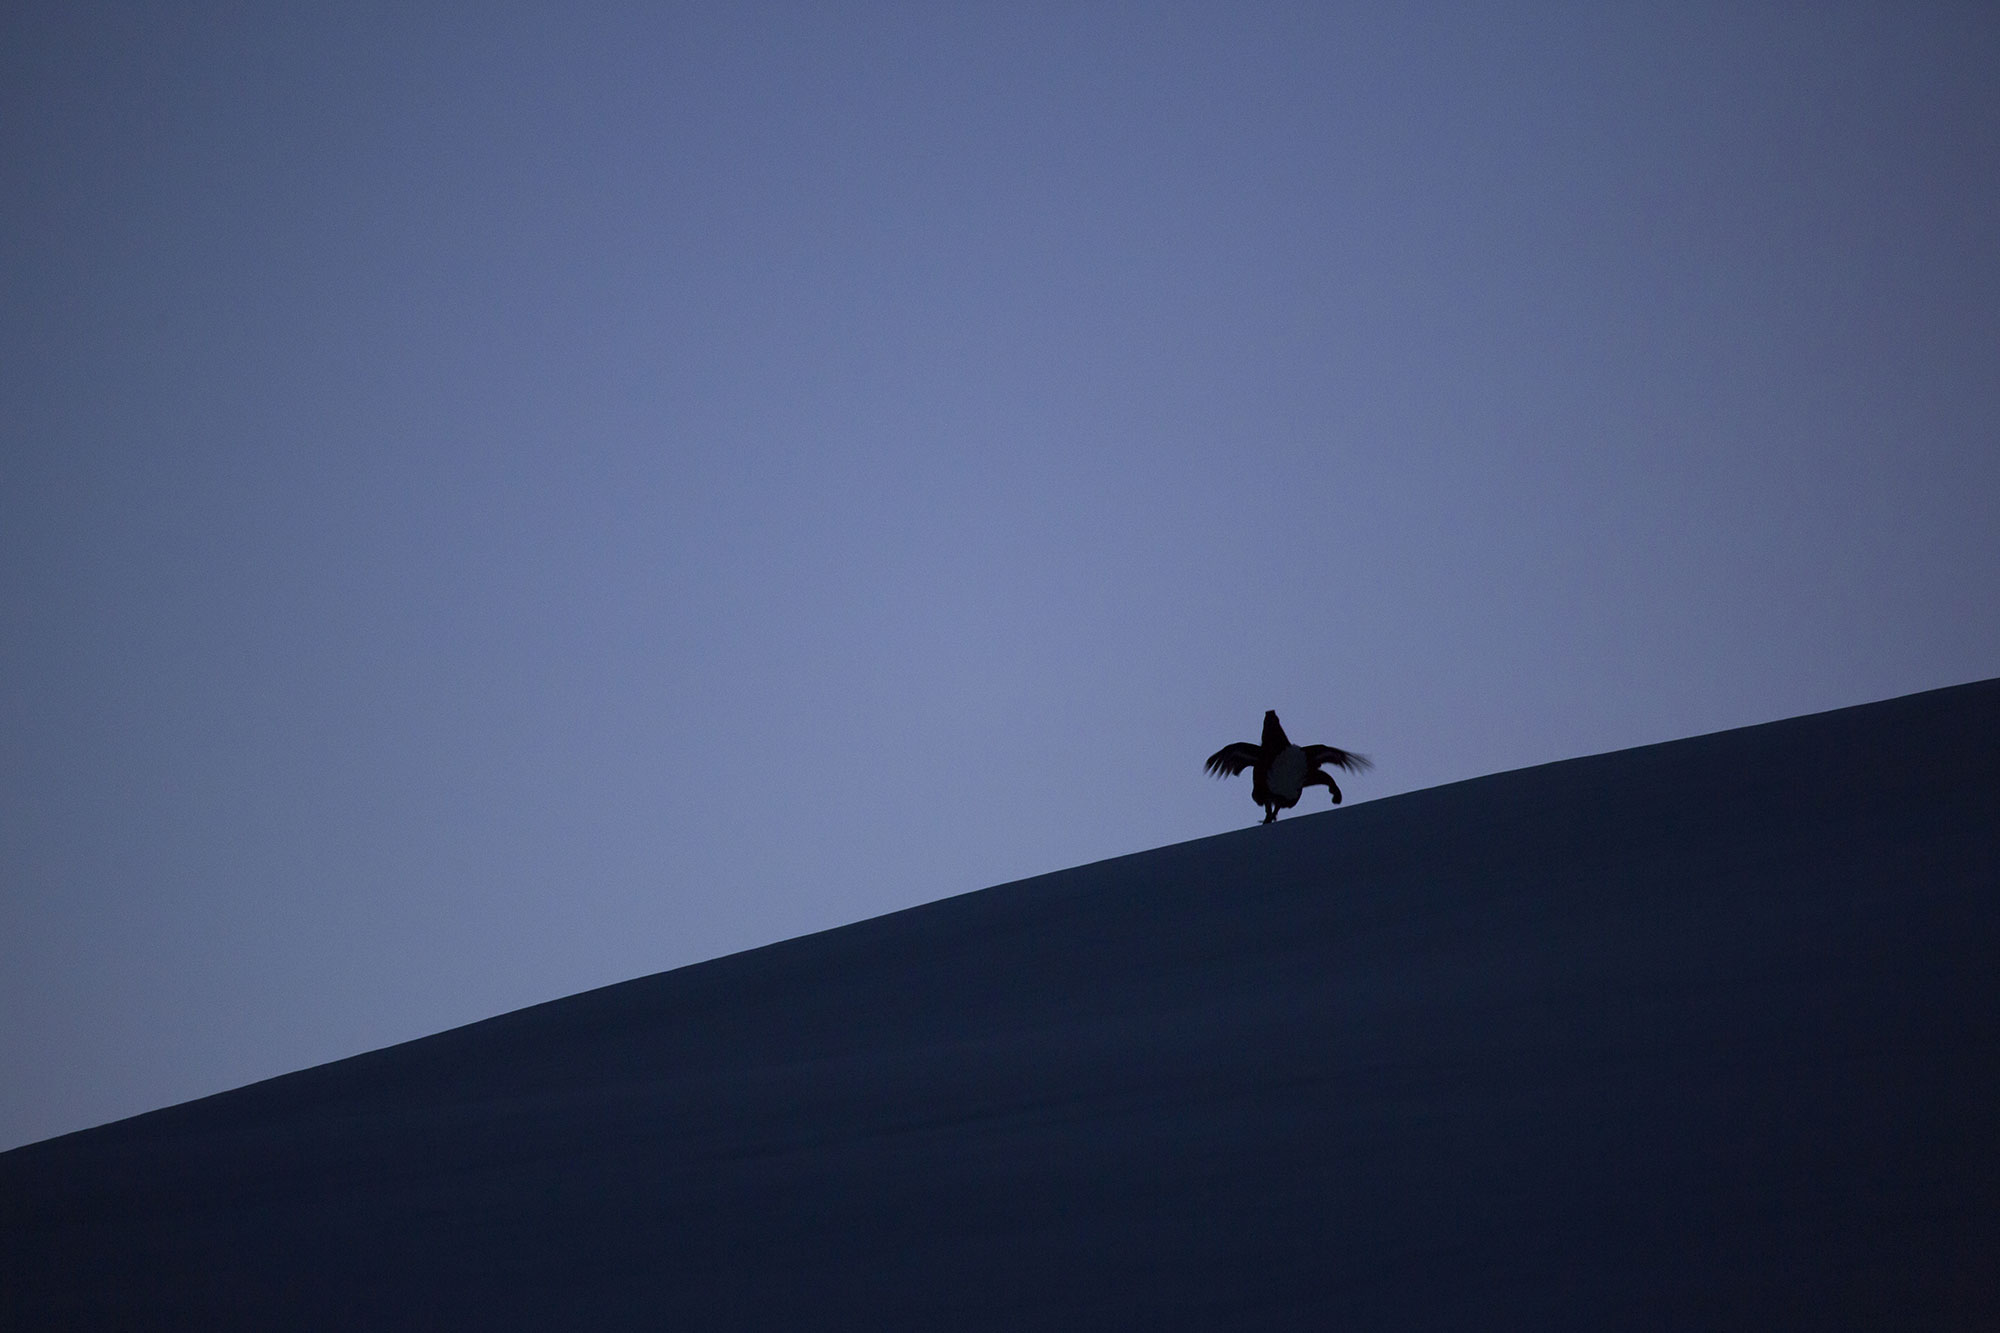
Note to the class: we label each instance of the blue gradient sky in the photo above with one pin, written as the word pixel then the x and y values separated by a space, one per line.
pixel 497 500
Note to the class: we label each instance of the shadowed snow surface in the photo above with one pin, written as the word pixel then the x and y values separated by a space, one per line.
pixel 1697 1035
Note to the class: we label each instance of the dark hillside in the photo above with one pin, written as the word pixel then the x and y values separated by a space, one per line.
pixel 1697 1035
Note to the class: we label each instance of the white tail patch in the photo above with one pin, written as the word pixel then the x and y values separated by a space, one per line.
pixel 1288 773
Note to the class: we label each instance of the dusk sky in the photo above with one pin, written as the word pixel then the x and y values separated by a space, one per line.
pixel 497 500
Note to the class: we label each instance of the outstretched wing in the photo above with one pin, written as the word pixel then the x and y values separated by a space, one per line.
pixel 1232 759
pixel 1339 758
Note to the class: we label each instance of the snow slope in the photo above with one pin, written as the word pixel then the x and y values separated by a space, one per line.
pixel 1702 1034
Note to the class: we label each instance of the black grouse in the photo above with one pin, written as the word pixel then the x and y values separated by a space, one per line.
pixel 1281 771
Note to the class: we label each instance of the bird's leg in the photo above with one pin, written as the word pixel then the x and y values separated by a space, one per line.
pixel 1270 814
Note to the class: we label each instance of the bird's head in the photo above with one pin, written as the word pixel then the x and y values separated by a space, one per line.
pixel 1274 734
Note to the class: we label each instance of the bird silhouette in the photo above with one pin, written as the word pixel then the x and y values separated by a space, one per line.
pixel 1281 771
